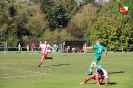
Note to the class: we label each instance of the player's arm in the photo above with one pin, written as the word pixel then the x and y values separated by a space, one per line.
pixel 97 80
pixel 105 52
pixel 107 81
pixel 52 48
pixel 87 47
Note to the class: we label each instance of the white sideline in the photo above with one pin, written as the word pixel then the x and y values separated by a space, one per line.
pixel 22 76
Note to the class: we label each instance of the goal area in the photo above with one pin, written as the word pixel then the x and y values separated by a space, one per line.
pixel 3 47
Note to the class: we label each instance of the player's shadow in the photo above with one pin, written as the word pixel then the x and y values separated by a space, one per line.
pixel 116 72
pixel 56 65
pixel 60 64
pixel 110 83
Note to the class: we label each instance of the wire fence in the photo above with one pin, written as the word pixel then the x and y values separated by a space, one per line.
pixel 38 50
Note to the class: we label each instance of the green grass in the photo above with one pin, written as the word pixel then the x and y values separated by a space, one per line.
pixel 21 71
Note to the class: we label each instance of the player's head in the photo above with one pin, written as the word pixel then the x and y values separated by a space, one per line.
pixel 99 71
pixel 45 42
pixel 97 41
pixel 40 42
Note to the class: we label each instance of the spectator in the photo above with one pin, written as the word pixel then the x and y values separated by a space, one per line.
pixel 32 47
pixel 68 48
pixel 19 48
pixel 28 48
pixel 73 49
pixel 77 49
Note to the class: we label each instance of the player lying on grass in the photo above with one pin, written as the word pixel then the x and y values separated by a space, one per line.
pixel 44 50
pixel 99 76
pixel 99 49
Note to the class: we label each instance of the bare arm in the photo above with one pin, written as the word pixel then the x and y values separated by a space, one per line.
pixel 107 81
pixel 97 81
pixel 105 54
pixel 87 47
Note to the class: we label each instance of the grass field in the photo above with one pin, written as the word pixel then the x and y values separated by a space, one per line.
pixel 21 71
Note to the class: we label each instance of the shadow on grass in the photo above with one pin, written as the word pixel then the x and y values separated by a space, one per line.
pixel 56 65
pixel 116 72
pixel 110 83
pixel 60 64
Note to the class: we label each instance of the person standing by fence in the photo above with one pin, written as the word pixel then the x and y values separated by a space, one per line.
pixel 32 47
pixel 27 47
pixel 19 48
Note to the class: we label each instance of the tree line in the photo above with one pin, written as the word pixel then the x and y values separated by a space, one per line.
pixel 31 21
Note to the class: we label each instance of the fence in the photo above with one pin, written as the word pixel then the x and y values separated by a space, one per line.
pixel 6 50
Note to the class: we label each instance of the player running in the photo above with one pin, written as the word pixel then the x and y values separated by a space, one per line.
pixel 99 76
pixel 56 48
pixel 44 49
pixel 99 48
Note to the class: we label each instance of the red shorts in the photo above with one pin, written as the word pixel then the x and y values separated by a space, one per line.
pixel 101 78
pixel 44 55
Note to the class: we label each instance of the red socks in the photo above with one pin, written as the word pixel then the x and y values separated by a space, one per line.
pixel 39 64
pixel 86 80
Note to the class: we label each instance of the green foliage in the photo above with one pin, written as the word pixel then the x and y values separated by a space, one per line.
pixel 36 24
pixel 57 36
pixel 82 20
pixel 111 32
pixel 29 21
pixel 58 12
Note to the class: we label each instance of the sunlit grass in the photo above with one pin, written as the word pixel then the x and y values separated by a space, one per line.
pixel 21 71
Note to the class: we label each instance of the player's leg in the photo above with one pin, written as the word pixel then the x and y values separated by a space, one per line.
pixel 49 58
pixel 89 72
pixel 57 52
pixel 92 65
pixel 97 60
pixel 43 57
pixel 88 78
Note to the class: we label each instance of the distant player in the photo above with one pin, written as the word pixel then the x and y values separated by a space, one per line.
pixel 32 47
pixel 99 76
pixel 19 48
pixel 99 48
pixel 56 48
pixel 44 49
pixel 40 45
pixel 27 47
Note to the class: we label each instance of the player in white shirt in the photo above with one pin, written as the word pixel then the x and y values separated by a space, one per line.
pixel 44 50
pixel 99 76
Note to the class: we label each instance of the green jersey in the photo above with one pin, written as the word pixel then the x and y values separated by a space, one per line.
pixel 56 47
pixel 99 48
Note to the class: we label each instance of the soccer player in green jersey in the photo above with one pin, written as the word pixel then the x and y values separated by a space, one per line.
pixel 56 48
pixel 99 48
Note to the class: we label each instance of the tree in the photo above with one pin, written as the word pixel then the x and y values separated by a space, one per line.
pixel 58 12
pixel 37 23
pixel 82 20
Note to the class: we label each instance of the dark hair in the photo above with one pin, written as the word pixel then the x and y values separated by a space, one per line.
pixel 99 70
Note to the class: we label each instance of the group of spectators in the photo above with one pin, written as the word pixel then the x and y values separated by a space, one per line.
pixel 33 48
pixel 28 47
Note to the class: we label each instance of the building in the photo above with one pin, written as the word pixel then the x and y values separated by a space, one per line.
pixel 77 44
